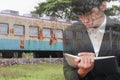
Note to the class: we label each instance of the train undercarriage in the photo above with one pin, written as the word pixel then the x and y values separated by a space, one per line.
pixel 31 54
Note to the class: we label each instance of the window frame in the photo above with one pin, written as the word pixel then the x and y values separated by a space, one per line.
pixel 44 33
pixel 33 34
pixel 7 31
pixel 79 36
pixel 70 32
pixel 61 35
pixel 22 34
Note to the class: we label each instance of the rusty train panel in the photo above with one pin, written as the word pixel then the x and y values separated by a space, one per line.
pixel 22 33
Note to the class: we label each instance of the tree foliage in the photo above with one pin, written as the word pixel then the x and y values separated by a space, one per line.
pixel 113 11
pixel 55 8
pixel 62 9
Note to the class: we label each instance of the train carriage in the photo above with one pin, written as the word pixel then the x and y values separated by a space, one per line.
pixel 22 34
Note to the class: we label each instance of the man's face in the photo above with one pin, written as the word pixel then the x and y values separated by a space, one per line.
pixel 92 19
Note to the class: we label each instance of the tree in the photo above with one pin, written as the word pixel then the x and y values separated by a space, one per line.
pixel 62 9
pixel 55 8
pixel 113 11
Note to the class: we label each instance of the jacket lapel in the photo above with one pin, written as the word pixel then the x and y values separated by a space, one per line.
pixel 88 47
pixel 106 42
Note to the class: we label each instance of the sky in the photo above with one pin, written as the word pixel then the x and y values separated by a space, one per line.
pixel 23 6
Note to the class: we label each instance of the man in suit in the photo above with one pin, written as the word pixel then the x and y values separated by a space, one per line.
pixel 94 35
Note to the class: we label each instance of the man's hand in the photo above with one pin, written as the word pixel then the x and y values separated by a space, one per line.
pixel 85 63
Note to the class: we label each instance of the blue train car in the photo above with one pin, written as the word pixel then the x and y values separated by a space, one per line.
pixel 21 34
pixel 44 38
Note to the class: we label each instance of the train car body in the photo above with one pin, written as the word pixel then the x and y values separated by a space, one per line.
pixel 43 37
pixel 18 34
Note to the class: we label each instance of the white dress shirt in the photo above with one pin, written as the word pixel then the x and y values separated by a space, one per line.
pixel 96 36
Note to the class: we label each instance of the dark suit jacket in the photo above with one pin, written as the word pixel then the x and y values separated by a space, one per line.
pixel 110 46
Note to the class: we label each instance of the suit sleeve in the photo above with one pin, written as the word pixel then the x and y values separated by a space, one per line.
pixel 69 47
pixel 69 72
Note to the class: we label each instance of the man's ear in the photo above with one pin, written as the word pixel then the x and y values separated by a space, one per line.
pixel 103 6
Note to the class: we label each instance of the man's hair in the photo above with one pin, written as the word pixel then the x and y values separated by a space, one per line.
pixel 84 6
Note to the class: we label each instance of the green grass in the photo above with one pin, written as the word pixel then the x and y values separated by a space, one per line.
pixel 43 71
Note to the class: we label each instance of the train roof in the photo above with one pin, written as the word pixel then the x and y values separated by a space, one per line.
pixel 28 17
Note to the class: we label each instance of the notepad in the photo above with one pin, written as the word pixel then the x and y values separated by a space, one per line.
pixel 104 64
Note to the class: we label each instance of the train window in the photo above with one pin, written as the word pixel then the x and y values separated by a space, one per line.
pixel 33 31
pixel 19 30
pixel 68 35
pixel 47 33
pixel 4 28
pixel 79 35
pixel 58 33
